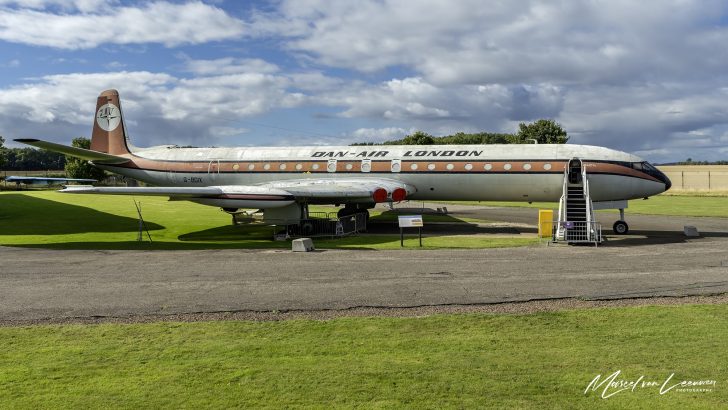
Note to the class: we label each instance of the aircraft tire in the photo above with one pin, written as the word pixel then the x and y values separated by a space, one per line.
pixel 620 228
pixel 307 228
pixel 366 217
pixel 346 212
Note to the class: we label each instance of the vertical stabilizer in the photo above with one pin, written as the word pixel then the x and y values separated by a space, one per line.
pixel 109 133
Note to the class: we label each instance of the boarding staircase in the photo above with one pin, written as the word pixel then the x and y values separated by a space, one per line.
pixel 576 222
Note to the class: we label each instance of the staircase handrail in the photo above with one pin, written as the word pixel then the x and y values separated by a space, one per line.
pixel 564 194
pixel 587 199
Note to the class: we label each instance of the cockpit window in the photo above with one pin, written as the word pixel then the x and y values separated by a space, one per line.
pixel 644 166
pixel 648 167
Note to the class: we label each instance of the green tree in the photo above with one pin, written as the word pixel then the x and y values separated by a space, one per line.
pixel 2 152
pixel 416 138
pixel 543 131
pixel 79 168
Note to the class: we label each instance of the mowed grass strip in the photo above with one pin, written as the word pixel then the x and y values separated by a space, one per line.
pixel 441 361
pixel 677 205
pixel 65 221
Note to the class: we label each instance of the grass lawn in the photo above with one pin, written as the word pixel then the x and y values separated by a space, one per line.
pixel 679 205
pixel 543 360
pixel 53 220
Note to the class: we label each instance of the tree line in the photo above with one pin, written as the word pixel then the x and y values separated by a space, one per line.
pixel 541 132
pixel 29 159
pixel 33 159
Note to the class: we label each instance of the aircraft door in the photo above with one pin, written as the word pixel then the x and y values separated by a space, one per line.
pixel 213 171
pixel 575 171
pixel 171 176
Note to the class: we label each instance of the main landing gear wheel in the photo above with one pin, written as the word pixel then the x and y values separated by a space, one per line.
pixel 620 228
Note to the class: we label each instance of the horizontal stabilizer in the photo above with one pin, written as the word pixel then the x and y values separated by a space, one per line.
pixel 87 154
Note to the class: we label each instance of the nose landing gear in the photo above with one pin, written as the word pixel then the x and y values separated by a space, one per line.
pixel 620 227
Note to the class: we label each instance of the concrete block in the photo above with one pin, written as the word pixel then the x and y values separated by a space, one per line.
pixel 691 231
pixel 302 245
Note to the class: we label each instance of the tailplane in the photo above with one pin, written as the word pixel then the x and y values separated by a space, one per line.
pixel 109 132
pixel 108 140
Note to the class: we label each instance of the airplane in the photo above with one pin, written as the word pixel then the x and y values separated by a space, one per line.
pixel 283 181
pixel 44 180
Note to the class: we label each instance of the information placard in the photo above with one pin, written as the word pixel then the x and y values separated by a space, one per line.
pixel 411 221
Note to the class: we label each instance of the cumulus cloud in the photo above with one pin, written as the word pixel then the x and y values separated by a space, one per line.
pixel 197 111
pixel 103 23
pixel 228 65
pixel 635 76
pixel 380 134
pixel 642 76
pixel 506 42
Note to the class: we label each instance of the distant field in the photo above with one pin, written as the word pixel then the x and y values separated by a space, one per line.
pixel 53 220
pixel 697 178
pixel 441 361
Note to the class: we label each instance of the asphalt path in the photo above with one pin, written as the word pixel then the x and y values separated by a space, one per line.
pixel 657 260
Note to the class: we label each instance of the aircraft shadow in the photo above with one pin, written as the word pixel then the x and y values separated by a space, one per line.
pixel 637 238
pixel 27 215
pixel 441 224
pixel 230 233
pixel 463 228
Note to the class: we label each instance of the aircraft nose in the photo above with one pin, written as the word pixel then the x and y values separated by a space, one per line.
pixel 662 177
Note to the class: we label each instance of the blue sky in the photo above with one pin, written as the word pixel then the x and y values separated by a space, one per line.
pixel 646 77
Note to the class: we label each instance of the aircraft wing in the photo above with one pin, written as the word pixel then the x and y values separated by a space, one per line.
pixel 323 190
pixel 25 180
pixel 82 153
pixel 177 192
pixel 342 188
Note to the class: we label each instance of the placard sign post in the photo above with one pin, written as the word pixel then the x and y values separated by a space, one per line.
pixel 410 221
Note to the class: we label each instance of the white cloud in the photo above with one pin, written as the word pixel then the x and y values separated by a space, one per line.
pixel 505 42
pixel 165 108
pixel 80 5
pixel 642 76
pixel 226 132
pixel 229 65
pixel 380 134
pixel 157 22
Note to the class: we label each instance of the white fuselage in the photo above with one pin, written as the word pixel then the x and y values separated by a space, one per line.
pixel 439 172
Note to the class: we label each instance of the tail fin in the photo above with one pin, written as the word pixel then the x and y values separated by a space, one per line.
pixel 109 133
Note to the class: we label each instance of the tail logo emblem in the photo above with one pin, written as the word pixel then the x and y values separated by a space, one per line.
pixel 108 117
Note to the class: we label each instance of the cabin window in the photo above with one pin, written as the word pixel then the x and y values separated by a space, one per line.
pixel 236 167
pixel 526 166
pixel 349 167
pixel 282 167
pixel 431 167
pixel 413 167
pixel 450 167
pixel 507 167
pixel 315 167
pixel 251 167
pixel 488 167
pixel 468 167
pixel 266 167
pixel 299 167
pixel 547 166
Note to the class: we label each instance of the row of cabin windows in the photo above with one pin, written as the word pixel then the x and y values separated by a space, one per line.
pixel 413 167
